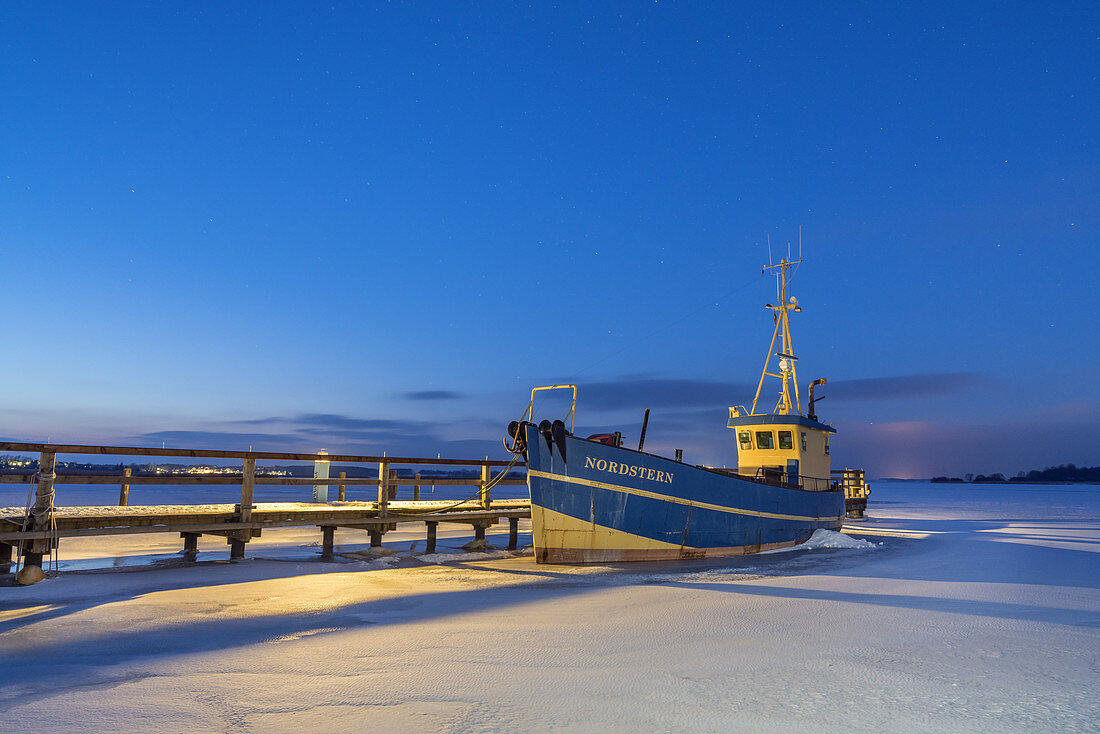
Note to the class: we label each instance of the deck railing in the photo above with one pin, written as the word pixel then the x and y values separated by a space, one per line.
pixel 853 482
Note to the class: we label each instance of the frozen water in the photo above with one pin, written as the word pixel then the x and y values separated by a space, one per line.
pixel 975 609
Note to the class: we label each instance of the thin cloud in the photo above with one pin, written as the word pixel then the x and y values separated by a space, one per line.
pixel 409 430
pixel 432 395
pixel 227 440
pixel 327 420
pixel 901 387
pixel 308 432
pixel 423 445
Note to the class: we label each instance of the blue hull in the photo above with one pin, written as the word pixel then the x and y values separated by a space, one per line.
pixel 603 503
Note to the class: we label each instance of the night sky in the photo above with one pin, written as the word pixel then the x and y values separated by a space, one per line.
pixel 368 227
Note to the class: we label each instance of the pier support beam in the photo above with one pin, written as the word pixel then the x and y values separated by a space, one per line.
pixel 375 538
pixel 513 532
pixel 248 484
pixel 483 493
pixel 190 546
pixel 383 486
pixel 6 555
pixel 236 549
pixel 328 534
pixel 430 548
pixel 124 489
pixel 41 513
pixel 479 531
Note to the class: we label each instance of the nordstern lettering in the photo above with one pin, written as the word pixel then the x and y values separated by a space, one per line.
pixel 629 470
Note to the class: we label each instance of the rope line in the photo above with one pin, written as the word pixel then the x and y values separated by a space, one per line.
pixel 33 515
pixel 489 485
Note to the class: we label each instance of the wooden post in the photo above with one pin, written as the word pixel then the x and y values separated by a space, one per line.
pixel 327 533
pixel 431 536
pixel 320 471
pixel 236 549
pixel 42 510
pixel 513 533
pixel 479 531
pixel 190 546
pixel 248 483
pixel 486 476
pixel 375 538
pixel 343 490
pixel 383 490
pixel 393 484
pixel 5 557
pixel 416 488
pixel 124 492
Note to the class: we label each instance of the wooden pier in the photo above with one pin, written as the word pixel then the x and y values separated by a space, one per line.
pixel 36 531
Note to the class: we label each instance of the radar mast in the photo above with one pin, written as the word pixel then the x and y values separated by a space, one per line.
pixel 788 371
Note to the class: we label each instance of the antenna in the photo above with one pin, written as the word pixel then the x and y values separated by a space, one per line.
pixel 788 372
pixel 769 249
pixel 800 242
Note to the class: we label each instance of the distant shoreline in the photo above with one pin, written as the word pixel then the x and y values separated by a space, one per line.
pixel 1014 480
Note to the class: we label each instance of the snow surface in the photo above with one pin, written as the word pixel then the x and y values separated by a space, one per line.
pixel 949 609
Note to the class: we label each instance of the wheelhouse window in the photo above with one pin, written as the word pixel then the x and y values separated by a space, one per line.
pixel 745 439
pixel 764 440
pixel 826 444
pixel 785 441
pixel 803 440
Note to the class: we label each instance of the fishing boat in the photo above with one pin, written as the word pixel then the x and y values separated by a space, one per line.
pixel 594 500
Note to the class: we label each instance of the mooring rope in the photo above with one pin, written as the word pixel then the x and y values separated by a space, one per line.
pixel 25 521
pixel 489 485
pixel 32 512
pixel 47 508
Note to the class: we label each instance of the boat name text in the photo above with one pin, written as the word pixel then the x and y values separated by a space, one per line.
pixel 614 467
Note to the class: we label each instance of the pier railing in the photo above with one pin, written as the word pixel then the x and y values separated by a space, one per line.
pixel 387 479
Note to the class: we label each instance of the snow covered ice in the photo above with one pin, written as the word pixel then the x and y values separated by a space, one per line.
pixel 953 609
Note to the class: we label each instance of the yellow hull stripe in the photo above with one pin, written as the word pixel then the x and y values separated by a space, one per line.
pixel 670 498
pixel 557 530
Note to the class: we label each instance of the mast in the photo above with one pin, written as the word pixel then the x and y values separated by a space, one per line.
pixel 788 372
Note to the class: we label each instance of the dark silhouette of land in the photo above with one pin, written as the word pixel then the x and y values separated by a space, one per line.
pixel 1052 474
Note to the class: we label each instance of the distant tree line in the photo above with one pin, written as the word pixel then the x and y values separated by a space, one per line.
pixel 1060 473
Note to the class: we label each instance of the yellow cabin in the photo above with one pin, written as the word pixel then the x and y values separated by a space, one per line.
pixel 792 449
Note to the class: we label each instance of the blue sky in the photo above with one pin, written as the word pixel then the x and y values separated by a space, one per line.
pixel 375 226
